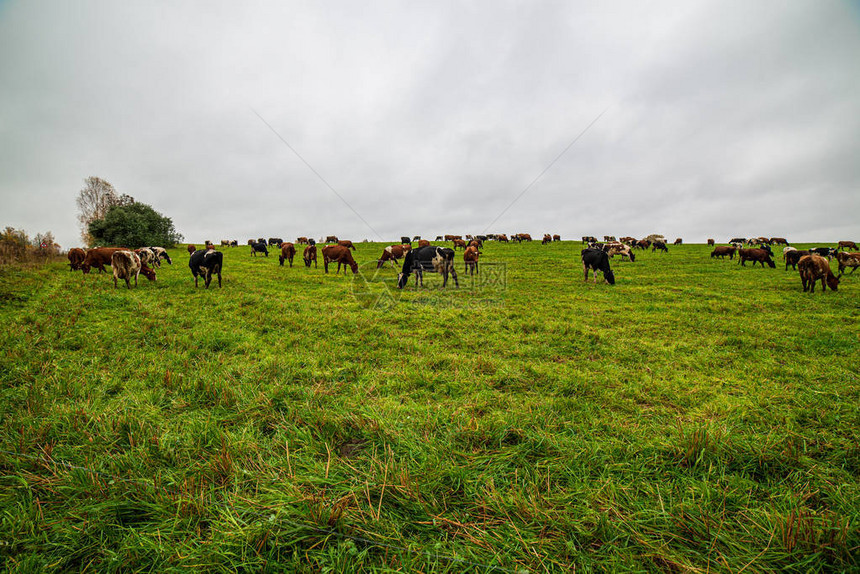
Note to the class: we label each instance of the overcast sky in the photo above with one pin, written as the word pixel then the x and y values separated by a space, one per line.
pixel 719 118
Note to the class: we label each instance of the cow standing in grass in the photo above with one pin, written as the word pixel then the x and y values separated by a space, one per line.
pixel 431 259
pixel 338 254
pixel 288 251
pixel 205 263
pixel 259 247
pixel 310 254
pixel 470 257
pixel 814 267
pixel 846 259
pixel 597 260
pixel 76 257
pixel 125 264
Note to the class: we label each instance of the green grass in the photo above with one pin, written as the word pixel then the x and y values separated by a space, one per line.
pixel 697 416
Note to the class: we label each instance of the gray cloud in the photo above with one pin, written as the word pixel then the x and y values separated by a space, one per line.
pixel 723 118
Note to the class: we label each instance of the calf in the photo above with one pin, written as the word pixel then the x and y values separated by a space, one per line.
pixel 793 256
pixel 470 257
pixel 814 267
pixel 722 250
pixel 288 251
pixel 846 259
pixel 259 247
pixel 597 260
pixel 339 254
pixel 125 264
pixel 76 257
pixel 348 244
pixel 310 254
pixel 846 245
pixel 431 259
pixel 756 256
pixel 204 263
pixel 392 253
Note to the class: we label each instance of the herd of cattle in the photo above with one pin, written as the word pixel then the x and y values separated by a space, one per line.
pixel 812 264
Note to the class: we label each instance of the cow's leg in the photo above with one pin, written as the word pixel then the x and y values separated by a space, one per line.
pixel 114 281
pixel 454 276
pixel 219 278
pixel 585 268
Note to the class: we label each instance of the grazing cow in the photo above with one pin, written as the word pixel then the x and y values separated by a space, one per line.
pixel 827 252
pixel 556 237
pixel 312 241
pixel 234 243
pixel 722 250
pixel 678 241
pixel 302 240
pixel 288 251
pixel 778 241
pixel 338 254
pixel 524 236
pixel 225 243
pixel 588 239
pixel 310 254
pixel 393 253
pixel 259 248
pixel 98 257
pixel 470 257
pixel 740 240
pixel 609 238
pixel 431 259
pixel 846 259
pixel 846 245
pixel 204 263
pixel 792 256
pixel 125 264
pixel 405 239
pixel 331 239
pixel 423 243
pixel 502 237
pixel 458 243
pixel 659 245
pixel 618 248
pixel 643 244
pixel 275 241
pixel 547 238
pixel 191 248
pixel 161 253
pixel 476 243
pixel 251 242
pixel 597 260
pixel 147 257
pixel 76 257
pixel 814 267
pixel 347 243
pixel 756 256
pixel 711 242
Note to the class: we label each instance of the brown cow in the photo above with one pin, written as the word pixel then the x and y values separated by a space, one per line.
pixel 711 242
pixel 458 243
pixel 310 254
pixel 76 257
pixel 722 250
pixel 288 251
pixel 778 241
pixel 792 257
pixel 470 257
pixel 125 264
pixel 756 256
pixel 346 243
pixel 331 239
pixel 678 241
pixel 814 267
pixel 643 244
pixel 502 237
pixel 524 237
pixel 547 238
pixel 191 248
pixel 556 237
pixel 392 253
pixel 846 245
pixel 98 257
pixel 339 254
pixel 846 259
pixel 302 240
pixel 423 243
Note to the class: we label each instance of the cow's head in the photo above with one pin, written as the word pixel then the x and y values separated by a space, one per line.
pixel 609 276
pixel 402 278
pixel 632 256
pixel 148 273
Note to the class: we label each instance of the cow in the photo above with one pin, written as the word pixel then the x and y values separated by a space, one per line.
pixel 288 251
pixel 458 243
pixel 98 257
pixel 737 244
pixel 848 259
pixel 416 238
pixel 524 236
pixel 778 241
pixel 756 256
pixel 339 254
pixel 225 243
pixel 470 257
pixel 147 257
pixel 643 244
pixel 191 248
pixel 618 248
pixel 740 240
pixel 722 250
pixel 609 238
pixel 347 243
pixel 597 260
pixel 302 240
pixel 431 259
pixel 711 242
pixel 161 253
pixel 125 264
pixel 76 257
pixel 405 239
pixel 312 241
pixel 502 238
pixel 393 253
pixel 827 252
pixel 678 241
pixel 331 239
pixel 814 267
pixel 439 238
pixel 261 240
pixel 846 245
pixel 423 243
pixel 251 241
pixel 547 238
pixel 310 254
pixel 793 256
pixel 659 245
pixel 259 247
pixel 556 237
pixel 204 263
pixel 275 241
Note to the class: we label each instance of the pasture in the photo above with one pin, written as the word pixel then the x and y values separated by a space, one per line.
pixel 697 416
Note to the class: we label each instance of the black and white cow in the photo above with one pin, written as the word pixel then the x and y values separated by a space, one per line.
pixel 204 263
pixel 431 259
pixel 827 252
pixel 259 247
pixel 597 260
pixel 160 253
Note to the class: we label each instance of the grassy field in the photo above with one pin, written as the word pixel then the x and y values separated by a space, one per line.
pixel 697 416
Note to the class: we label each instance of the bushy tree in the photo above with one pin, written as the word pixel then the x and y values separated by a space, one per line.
pixel 133 225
